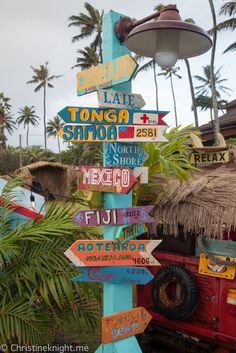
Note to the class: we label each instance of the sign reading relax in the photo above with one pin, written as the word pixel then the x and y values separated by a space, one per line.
pixel 199 157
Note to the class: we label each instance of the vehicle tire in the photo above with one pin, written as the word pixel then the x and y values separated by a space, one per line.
pixel 175 292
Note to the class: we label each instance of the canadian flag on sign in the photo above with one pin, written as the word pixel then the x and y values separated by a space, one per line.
pixel 126 132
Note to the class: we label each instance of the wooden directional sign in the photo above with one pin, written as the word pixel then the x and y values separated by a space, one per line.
pixel 112 253
pixel 205 157
pixel 106 75
pixel 114 216
pixel 114 99
pixel 124 154
pixel 130 231
pixel 102 179
pixel 112 133
pixel 111 116
pixel 117 275
pixel 124 324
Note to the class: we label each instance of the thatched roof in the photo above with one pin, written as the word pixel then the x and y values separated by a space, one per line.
pixel 201 204
pixel 42 164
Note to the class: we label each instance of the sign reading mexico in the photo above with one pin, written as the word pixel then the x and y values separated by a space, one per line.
pixel 112 253
pixel 106 75
pixel 120 180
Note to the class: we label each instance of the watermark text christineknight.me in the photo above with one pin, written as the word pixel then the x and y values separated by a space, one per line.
pixel 14 347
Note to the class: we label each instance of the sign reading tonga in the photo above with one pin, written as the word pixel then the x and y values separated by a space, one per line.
pixel 124 324
pixel 118 180
pixel 116 275
pixel 112 253
pixel 114 99
pixel 106 75
pixel 114 216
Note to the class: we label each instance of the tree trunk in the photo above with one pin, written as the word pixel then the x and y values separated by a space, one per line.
pixel 156 86
pixel 44 115
pixel 59 149
pixel 192 93
pixel 2 139
pixel 100 49
pixel 27 136
pixel 173 95
pixel 212 75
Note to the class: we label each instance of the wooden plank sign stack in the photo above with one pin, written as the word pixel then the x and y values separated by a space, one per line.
pixel 121 123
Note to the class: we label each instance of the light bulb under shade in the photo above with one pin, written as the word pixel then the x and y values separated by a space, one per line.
pixel 166 59
pixel 144 39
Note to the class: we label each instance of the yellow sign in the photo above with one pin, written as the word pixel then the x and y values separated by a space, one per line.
pixel 210 268
pixel 203 157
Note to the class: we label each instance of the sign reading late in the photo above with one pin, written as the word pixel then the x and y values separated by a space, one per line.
pixel 110 98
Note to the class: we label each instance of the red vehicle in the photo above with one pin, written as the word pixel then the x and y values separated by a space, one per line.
pixel 192 312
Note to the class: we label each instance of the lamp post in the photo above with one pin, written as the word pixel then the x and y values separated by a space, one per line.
pixel 167 39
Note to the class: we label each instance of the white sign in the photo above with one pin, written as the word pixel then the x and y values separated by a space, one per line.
pixel 114 99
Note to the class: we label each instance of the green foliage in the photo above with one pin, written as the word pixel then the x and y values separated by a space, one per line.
pixel 35 287
pixel 82 153
pixel 9 160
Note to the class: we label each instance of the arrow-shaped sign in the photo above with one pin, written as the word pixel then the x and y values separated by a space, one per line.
pixel 117 275
pixel 124 324
pixel 124 154
pixel 112 133
pixel 130 231
pixel 111 116
pixel 141 174
pixel 114 99
pixel 106 75
pixel 114 216
pixel 119 180
pixel 112 253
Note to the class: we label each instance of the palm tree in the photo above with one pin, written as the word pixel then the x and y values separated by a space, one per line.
pixel 6 119
pixel 54 125
pixel 42 79
pixel 168 73
pixel 34 154
pixel 229 8
pixel 27 117
pixel 87 59
pixel 89 24
pixel 36 291
pixel 205 103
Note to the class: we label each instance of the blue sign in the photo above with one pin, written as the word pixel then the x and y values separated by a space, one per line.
pixel 117 275
pixel 124 154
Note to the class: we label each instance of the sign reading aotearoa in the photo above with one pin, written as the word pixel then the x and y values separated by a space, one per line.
pixel 114 216
pixel 124 154
pixel 200 157
pixel 118 180
pixel 114 99
pixel 124 324
pixel 117 275
pixel 112 253
pixel 106 75
pixel 112 133
pixel 111 116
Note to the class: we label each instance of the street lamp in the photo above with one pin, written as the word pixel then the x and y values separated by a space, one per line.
pixel 166 39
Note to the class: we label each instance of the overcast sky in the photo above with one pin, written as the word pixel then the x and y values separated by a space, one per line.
pixel 33 32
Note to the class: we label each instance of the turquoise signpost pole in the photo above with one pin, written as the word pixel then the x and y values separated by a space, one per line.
pixel 117 297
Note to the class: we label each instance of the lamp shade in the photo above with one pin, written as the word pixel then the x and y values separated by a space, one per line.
pixel 168 35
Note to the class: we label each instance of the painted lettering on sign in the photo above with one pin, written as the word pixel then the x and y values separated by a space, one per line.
pixel 112 133
pixel 106 75
pixel 124 324
pixel 131 231
pixel 124 154
pixel 112 253
pixel 120 180
pixel 198 157
pixel 110 116
pixel 110 98
pixel 114 216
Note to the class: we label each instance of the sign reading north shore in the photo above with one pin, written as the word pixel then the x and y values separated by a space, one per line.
pixel 112 133
pixel 199 157
pixel 112 253
pixel 117 275
pixel 102 179
pixel 124 324
pixel 114 99
pixel 111 116
pixel 106 75
pixel 114 216
pixel 124 154
pixel 130 231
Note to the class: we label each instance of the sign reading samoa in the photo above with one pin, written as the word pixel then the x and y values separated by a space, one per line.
pixel 112 253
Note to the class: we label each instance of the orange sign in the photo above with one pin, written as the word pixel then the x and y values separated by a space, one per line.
pixel 124 324
pixel 210 268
